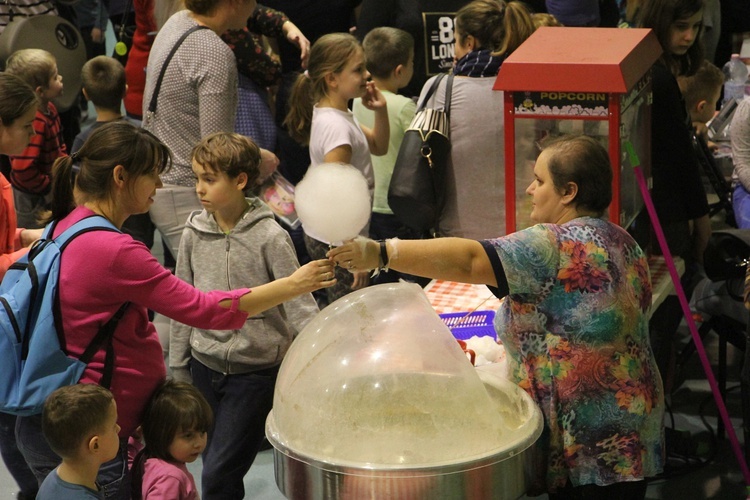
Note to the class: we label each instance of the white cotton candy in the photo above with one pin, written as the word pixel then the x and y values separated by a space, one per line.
pixel 486 348
pixel 333 202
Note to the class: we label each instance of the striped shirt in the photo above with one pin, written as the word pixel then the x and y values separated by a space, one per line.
pixel 31 169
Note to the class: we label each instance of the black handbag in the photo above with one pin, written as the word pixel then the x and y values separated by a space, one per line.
pixel 417 190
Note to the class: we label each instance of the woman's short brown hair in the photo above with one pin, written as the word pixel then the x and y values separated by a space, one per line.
pixel 582 160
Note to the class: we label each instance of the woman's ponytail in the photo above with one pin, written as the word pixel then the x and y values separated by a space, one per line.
pixel 518 25
pixel 497 25
pixel 89 170
pixel 63 200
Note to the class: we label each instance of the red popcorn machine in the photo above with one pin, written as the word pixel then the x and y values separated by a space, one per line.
pixel 593 81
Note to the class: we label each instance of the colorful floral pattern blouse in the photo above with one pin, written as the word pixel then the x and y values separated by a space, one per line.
pixel 575 330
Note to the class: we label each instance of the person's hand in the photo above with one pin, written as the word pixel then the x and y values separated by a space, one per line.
pixel 135 441
pixel 701 129
pixel 268 164
pixel 97 36
pixel 359 254
pixel 29 236
pixel 373 98
pixel 314 275
pixel 295 36
pixel 361 279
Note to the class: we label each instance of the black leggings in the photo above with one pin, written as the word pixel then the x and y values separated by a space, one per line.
pixel 629 490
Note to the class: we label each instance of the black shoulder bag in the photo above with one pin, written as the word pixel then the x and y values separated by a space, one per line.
pixel 417 190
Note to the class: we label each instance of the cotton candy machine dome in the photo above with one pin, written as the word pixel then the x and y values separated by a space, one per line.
pixel 376 399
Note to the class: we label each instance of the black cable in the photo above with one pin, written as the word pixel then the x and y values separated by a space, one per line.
pixel 688 463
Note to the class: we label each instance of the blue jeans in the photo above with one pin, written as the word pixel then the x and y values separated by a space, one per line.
pixel 13 459
pixel 113 477
pixel 741 205
pixel 241 404
pixel 29 208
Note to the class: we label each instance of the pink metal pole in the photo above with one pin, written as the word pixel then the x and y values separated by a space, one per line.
pixel 700 349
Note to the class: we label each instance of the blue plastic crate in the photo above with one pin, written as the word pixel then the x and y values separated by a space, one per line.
pixel 464 325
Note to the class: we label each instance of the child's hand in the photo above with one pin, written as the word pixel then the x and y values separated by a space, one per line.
pixel 268 163
pixel 314 275
pixel 373 98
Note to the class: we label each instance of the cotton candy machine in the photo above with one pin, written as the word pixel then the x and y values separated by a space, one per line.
pixel 375 399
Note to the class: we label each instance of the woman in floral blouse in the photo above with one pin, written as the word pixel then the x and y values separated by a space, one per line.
pixel 574 323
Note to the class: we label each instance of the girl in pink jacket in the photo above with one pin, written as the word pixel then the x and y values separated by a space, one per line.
pixel 174 428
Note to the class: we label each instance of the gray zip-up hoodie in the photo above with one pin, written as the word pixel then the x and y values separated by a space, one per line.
pixel 255 252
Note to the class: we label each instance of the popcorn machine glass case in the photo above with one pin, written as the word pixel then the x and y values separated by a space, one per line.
pixel 593 81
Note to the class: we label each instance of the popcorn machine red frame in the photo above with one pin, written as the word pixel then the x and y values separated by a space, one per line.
pixel 581 80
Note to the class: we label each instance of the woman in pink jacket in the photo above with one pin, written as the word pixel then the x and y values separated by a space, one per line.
pixel 114 175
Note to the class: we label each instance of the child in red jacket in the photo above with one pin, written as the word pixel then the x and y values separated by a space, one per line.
pixel 30 174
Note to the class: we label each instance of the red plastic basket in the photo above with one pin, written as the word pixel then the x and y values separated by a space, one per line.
pixel 464 325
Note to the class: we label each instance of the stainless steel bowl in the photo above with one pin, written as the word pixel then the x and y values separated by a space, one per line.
pixel 375 399
pixel 498 475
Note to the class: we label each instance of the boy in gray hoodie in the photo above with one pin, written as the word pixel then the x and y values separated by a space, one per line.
pixel 234 242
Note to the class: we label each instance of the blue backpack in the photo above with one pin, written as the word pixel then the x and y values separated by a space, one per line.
pixel 33 361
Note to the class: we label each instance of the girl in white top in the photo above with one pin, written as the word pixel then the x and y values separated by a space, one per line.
pixel 319 116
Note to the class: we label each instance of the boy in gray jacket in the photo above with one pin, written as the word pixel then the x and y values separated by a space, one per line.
pixel 234 242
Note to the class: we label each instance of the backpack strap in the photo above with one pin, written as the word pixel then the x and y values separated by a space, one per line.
pixel 85 225
pixel 90 223
pixel 103 337
pixel 48 231
pixel 157 88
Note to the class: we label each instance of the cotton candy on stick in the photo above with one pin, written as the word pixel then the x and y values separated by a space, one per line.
pixel 333 202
